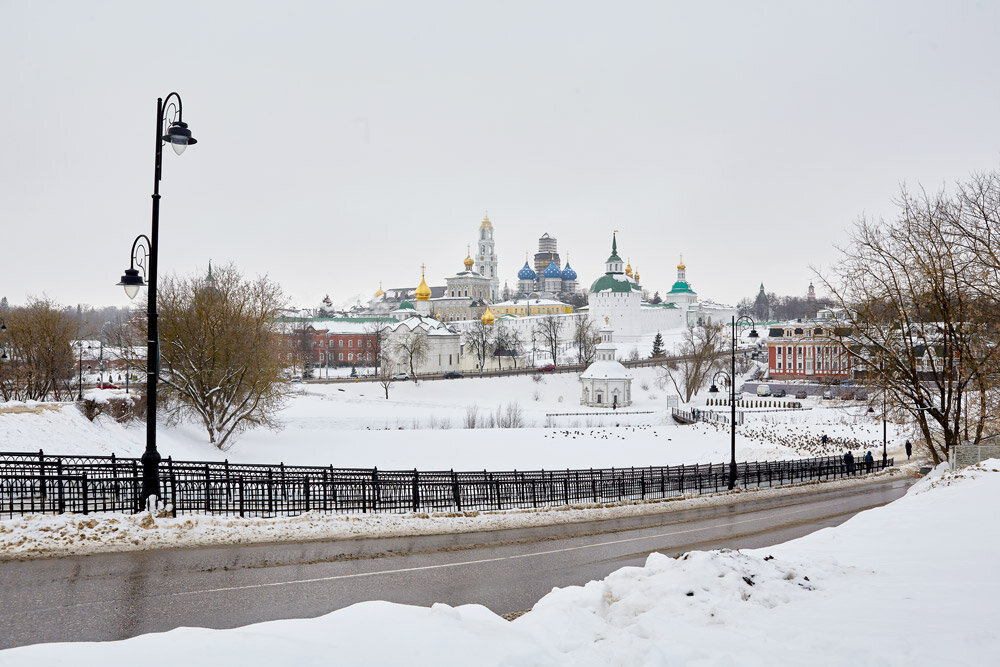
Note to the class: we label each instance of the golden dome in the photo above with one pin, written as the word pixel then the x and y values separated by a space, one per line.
pixel 486 222
pixel 628 269
pixel 488 317
pixel 423 291
pixel 636 276
pixel 468 259
pixel 379 292
pixel 681 267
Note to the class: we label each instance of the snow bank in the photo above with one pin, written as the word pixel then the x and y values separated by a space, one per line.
pixel 911 583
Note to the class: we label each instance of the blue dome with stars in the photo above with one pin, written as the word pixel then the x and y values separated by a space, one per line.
pixel 552 271
pixel 568 273
pixel 526 273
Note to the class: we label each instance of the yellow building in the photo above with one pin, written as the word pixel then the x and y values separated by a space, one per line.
pixel 526 307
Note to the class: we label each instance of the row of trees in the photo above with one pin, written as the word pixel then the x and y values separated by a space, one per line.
pixel 921 293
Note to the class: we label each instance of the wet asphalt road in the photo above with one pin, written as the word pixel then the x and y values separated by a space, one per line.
pixel 115 596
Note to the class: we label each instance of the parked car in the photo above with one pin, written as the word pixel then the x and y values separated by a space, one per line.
pixel 779 393
pixel 849 396
pixel 546 369
pixel 400 376
pixel 828 395
pixel 924 470
pixel 106 385
pixel 860 397
pixel 800 394
pixel 452 375
pixel 763 390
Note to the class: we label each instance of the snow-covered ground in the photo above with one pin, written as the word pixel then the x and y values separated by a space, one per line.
pixel 905 584
pixel 423 426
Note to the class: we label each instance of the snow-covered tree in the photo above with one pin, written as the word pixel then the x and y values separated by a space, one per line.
pixel 220 356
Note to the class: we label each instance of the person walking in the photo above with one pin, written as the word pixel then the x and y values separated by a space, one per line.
pixel 909 450
pixel 824 439
pixel 869 461
pixel 849 462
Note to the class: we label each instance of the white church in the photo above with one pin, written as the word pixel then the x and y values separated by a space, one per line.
pixel 606 382
pixel 616 300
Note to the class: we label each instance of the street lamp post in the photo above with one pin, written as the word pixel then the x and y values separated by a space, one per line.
pixel 737 324
pixel 79 390
pixel 179 137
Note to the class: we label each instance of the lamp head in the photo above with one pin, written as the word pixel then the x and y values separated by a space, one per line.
pixel 132 281
pixel 179 136
pixel 713 389
pixel 753 334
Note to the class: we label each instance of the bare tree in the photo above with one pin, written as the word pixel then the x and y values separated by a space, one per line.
pixel 508 343
pixel 916 319
pixel 375 334
pixel 547 329
pixel 700 350
pixel 37 343
pixel 482 340
pixel 413 347
pixel 220 354
pixel 586 338
pixel 383 375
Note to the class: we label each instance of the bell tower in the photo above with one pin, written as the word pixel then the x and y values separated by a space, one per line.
pixel 486 258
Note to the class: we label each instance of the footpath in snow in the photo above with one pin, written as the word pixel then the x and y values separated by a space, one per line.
pixel 911 583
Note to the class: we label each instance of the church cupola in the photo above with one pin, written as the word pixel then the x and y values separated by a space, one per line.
pixel 614 263
pixel 423 291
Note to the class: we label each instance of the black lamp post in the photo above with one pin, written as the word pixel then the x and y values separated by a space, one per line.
pixel 737 324
pixel 179 137
pixel 79 364
pixel 3 327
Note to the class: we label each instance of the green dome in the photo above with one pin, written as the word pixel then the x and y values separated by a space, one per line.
pixel 406 305
pixel 609 283
pixel 681 287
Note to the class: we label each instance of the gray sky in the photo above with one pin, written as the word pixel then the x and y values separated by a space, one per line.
pixel 346 143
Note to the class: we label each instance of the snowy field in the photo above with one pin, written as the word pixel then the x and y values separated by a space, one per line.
pixel 423 426
pixel 905 584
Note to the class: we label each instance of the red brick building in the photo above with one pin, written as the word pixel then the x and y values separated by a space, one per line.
pixel 808 351
pixel 334 341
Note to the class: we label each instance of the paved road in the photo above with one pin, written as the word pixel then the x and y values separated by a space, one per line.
pixel 120 595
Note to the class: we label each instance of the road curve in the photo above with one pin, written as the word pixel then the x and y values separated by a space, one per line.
pixel 114 596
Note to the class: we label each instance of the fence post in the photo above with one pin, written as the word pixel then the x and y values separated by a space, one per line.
pixel 239 483
pixel 83 485
pixel 208 490
pixel 566 488
pixel 270 491
pixel 41 471
pixel 416 490
pixel 642 484
pixel 173 490
pixel 455 494
pixel 305 488
pixel 62 497
pixel 376 491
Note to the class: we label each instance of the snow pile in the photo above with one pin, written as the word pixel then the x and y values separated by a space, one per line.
pixel 858 594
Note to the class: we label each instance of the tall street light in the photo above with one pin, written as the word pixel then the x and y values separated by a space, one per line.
pixel 170 129
pixel 738 323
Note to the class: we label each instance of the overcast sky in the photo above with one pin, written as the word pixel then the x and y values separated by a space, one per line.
pixel 341 144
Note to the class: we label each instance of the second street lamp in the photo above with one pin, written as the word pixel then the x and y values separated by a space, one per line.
pixel 171 129
pixel 737 324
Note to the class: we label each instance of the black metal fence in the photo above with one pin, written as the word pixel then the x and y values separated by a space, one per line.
pixel 33 483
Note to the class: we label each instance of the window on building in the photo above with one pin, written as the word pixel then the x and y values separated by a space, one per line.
pixel 340 356
pixel 350 343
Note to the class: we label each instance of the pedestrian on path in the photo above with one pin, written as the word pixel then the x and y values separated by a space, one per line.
pixel 849 462
pixel 909 450
pixel 869 461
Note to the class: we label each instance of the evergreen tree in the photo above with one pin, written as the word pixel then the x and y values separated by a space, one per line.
pixel 3 304
pixel 656 298
pixel 658 345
